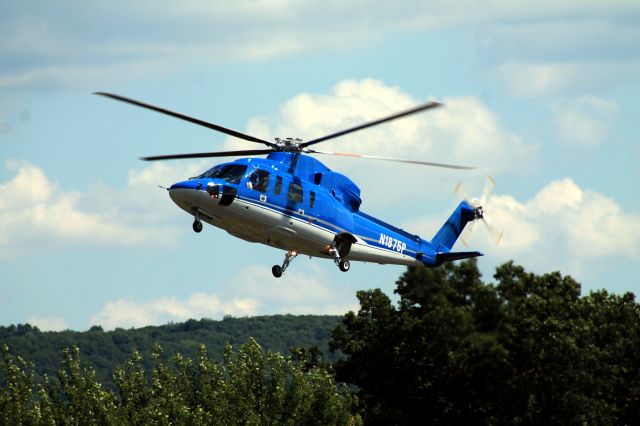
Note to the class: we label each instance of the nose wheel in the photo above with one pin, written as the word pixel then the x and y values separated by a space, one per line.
pixel 197 223
pixel 278 270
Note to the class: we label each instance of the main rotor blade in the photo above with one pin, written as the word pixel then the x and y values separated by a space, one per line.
pixel 197 121
pixel 209 154
pixel 397 160
pixel 414 110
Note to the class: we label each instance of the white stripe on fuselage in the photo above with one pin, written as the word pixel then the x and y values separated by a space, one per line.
pixel 264 223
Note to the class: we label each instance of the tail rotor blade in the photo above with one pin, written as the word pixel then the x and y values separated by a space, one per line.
pixel 488 188
pixel 460 191
pixel 495 232
pixel 467 233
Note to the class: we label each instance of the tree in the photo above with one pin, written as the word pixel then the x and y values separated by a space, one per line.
pixel 527 350
pixel 248 387
pixel 105 350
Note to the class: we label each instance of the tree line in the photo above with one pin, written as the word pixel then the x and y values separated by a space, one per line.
pixel 249 386
pixel 105 350
pixel 523 349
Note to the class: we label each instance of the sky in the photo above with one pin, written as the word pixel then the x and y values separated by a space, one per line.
pixel 542 97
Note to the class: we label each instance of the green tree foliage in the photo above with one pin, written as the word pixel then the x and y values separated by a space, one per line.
pixel 528 349
pixel 105 350
pixel 250 386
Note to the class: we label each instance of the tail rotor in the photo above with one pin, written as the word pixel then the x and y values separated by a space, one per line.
pixel 480 206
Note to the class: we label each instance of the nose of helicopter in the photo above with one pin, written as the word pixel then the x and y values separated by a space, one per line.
pixel 185 193
pixel 191 192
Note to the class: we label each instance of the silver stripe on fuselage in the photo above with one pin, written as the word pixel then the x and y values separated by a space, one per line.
pixel 312 235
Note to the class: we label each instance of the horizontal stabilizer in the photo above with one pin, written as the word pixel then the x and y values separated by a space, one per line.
pixel 448 257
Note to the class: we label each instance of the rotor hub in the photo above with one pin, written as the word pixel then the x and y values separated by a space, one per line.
pixel 288 144
pixel 478 213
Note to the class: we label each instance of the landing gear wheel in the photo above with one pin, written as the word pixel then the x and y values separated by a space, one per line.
pixel 276 271
pixel 197 226
pixel 344 265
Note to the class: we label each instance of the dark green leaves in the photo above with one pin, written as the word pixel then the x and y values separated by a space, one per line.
pixel 528 349
pixel 248 387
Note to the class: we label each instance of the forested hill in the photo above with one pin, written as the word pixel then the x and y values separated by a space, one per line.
pixel 104 350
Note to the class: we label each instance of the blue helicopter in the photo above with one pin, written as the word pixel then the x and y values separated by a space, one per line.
pixel 291 201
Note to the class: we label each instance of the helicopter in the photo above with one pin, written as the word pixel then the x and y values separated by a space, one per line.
pixel 291 201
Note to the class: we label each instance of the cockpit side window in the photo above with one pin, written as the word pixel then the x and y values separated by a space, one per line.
pixel 278 186
pixel 259 180
pixel 295 193
pixel 231 173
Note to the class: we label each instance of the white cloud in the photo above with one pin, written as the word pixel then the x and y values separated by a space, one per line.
pixel 308 291
pixel 43 46
pixel 35 212
pixel 58 44
pixel 127 313
pixel 561 227
pixel 464 131
pixel 586 120
pixel 48 323
pixel 304 288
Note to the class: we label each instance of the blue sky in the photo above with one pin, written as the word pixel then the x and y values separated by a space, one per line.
pixel 544 98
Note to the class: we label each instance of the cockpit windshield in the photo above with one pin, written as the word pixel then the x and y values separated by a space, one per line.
pixel 231 173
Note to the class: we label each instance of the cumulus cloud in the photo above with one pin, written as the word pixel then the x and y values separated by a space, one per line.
pixel 48 323
pixel 127 313
pixel 459 132
pixel 35 212
pixel 562 227
pixel 308 291
pixel 566 227
pixel 464 131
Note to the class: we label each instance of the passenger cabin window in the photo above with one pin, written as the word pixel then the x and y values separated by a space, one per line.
pixel 312 198
pixel 278 187
pixel 231 173
pixel 259 180
pixel 317 178
pixel 295 193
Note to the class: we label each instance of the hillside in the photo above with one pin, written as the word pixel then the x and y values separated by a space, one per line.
pixel 103 350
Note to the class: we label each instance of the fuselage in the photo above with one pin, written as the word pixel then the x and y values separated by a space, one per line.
pixel 295 203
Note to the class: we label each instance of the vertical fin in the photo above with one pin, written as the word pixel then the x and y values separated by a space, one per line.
pixel 447 235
